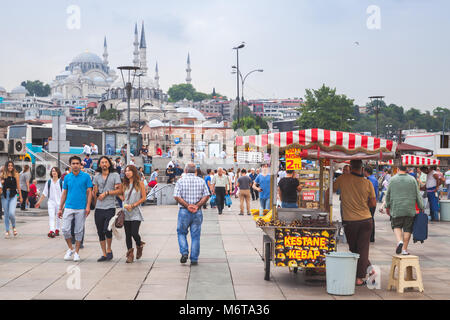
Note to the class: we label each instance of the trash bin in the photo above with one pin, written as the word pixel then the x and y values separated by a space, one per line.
pixel 445 210
pixel 147 168
pixel 341 272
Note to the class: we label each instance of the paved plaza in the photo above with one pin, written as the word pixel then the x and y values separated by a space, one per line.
pixel 230 265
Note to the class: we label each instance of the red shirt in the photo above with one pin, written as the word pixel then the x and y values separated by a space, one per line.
pixel 33 190
pixel 159 152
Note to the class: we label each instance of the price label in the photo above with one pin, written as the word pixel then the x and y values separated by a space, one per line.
pixel 309 196
pixel 293 159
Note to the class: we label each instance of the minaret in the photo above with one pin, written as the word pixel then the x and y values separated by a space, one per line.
pixel 188 70
pixel 156 76
pixel 143 52
pixel 105 53
pixel 136 47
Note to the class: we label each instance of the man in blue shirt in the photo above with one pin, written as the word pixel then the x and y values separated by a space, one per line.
pixel 263 180
pixel 87 162
pixel 368 173
pixel 76 202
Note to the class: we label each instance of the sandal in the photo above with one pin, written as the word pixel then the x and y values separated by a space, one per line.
pixel 361 284
pixel 7 235
pixel 15 232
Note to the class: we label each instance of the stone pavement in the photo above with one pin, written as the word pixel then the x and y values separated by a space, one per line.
pixel 230 265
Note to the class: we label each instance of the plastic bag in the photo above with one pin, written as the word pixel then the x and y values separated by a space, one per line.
pixel 228 201
pixel 212 201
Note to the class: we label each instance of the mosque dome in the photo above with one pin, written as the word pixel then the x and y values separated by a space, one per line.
pixel 19 90
pixel 87 57
pixel 155 123
pixel 192 113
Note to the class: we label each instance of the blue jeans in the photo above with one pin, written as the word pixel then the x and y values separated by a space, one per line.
pixel 289 205
pixel 264 204
pixel 192 221
pixel 9 208
pixel 434 202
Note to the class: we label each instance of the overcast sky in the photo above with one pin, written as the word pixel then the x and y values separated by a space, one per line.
pixel 300 44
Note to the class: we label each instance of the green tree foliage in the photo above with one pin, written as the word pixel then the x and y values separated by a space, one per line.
pixel 183 91
pixel 251 122
pixel 323 108
pixel 37 88
pixel 110 114
pixel 245 112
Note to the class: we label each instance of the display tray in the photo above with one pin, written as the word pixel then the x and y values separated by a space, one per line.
pixel 301 247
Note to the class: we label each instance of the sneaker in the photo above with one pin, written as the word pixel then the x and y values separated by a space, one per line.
pixel 249 214
pixel 405 253
pixel 76 257
pixel 229 208
pixel 399 248
pixel 109 255
pixel 241 214
pixel 194 263
pixel 184 258
pixel 101 259
pixel 56 232
pixel 51 234
pixel 69 255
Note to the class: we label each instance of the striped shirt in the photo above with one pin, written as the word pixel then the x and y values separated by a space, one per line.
pixel 191 189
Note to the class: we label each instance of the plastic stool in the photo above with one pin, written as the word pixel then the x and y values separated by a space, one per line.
pixel 404 264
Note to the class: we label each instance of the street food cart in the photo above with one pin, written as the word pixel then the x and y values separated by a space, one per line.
pixel 300 238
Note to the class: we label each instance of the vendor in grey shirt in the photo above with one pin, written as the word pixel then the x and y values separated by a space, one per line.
pixel 24 180
pixel 107 185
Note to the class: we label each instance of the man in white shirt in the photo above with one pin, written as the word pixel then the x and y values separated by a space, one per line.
pixel 223 154
pixel 94 148
pixel 432 185
pixel 86 149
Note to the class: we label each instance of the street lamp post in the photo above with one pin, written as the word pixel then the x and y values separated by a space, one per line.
pixel 244 78
pixel 139 100
pixel 128 87
pixel 242 45
pixel 377 99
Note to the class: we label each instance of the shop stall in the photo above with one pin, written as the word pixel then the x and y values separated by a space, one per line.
pixel 300 237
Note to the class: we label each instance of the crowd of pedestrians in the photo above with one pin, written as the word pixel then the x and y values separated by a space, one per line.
pixel 73 194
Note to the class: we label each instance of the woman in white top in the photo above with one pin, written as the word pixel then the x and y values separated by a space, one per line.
pixel 53 191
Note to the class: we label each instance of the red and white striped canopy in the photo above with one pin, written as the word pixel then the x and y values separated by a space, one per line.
pixel 325 139
pixel 412 160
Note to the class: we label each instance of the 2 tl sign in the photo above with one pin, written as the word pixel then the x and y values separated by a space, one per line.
pixel 293 159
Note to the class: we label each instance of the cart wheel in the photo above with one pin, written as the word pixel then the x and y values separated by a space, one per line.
pixel 295 269
pixel 267 261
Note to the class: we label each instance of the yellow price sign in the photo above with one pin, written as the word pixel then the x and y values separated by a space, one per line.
pixel 293 159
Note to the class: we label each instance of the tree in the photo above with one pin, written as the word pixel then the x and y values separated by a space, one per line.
pixel 253 122
pixel 245 112
pixel 183 91
pixel 37 88
pixel 323 108
pixel 110 114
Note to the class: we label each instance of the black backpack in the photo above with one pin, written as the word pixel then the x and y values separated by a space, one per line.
pixel 49 181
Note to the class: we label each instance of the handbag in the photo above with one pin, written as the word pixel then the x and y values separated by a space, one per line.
pixel 94 199
pixel 228 201
pixel 212 201
pixel 121 215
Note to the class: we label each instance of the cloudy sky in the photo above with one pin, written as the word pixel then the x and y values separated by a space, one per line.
pixel 300 44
